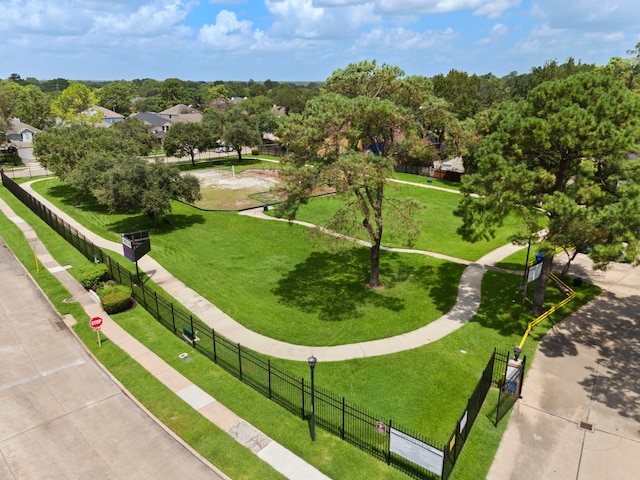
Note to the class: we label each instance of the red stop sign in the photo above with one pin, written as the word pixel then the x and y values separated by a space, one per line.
pixel 95 322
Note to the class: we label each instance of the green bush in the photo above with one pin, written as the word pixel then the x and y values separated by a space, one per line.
pixel 94 275
pixel 255 152
pixel 10 159
pixel 115 298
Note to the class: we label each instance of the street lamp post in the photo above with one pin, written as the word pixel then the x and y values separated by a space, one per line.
pixel 312 363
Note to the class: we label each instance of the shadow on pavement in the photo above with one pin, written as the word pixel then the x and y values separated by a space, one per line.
pixel 610 325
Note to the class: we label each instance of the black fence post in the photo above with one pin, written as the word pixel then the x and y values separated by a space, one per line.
pixel 213 338
pixel 343 420
pixel 239 361
pixel 302 390
pixel 269 376
pixel 389 444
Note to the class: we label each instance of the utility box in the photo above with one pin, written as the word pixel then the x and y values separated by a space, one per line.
pixel 513 378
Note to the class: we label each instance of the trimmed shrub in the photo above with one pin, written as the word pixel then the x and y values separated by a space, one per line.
pixel 255 152
pixel 115 298
pixel 94 275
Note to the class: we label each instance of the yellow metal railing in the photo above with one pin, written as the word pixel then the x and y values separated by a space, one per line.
pixel 570 296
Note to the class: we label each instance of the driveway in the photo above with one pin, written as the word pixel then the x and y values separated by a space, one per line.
pixel 579 417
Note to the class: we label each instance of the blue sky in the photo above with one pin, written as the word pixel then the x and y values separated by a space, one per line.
pixel 304 40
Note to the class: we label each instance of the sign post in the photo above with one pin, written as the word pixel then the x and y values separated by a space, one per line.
pixel 96 324
pixel 135 245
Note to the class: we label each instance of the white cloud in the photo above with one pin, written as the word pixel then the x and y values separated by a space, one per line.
pixel 491 8
pixel 302 19
pixel 589 15
pixel 159 18
pixel 498 31
pixel 50 18
pixel 229 33
pixel 402 39
pixel 494 9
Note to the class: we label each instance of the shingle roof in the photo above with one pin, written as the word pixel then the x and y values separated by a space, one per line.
pixel 17 127
pixel 152 118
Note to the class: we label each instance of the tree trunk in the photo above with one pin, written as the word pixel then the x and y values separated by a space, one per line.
pixel 541 287
pixel 240 154
pixel 374 276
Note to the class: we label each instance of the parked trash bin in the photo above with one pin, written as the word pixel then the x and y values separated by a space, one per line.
pixel 539 257
pixel 577 282
pixel 265 207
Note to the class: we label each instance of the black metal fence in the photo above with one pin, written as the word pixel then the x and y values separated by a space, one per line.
pixel 368 431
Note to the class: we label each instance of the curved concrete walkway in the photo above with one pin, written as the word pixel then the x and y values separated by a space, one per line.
pixel 466 306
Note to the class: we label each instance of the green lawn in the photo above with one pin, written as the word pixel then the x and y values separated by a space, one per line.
pixel 303 293
pixel 425 388
pixel 438 223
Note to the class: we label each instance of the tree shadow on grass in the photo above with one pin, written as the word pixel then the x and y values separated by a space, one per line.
pixel 134 222
pixel 69 195
pixel 335 285
pixel 164 226
pixel 501 306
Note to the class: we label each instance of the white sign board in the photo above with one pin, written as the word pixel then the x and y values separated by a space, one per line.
pixel 416 451
pixel 534 272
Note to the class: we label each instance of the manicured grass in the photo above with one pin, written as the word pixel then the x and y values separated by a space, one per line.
pixel 436 182
pixel 208 440
pixel 303 294
pixel 425 388
pixel 438 223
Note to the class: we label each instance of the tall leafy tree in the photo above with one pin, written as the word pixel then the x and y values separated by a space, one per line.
pixel 242 124
pixel 9 93
pixel 73 100
pixel 64 148
pixel 562 151
pixel 34 107
pixel 187 139
pixel 134 184
pixel 349 138
pixel 117 96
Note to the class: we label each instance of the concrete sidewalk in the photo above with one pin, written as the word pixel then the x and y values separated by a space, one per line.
pixel 264 447
pixel 579 417
pixel 466 306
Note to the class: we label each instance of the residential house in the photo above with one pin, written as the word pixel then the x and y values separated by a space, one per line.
pixel 105 116
pixel 20 135
pixel 157 124
pixel 160 123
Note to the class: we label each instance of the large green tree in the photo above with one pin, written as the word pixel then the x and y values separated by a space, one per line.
pixel 242 125
pixel 73 100
pixel 117 96
pixel 63 148
pixel 9 93
pixel 562 151
pixel 34 107
pixel 349 138
pixel 130 183
pixel 106 164
pixel 187 139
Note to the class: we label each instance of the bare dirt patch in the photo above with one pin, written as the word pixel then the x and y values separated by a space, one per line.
pixel 224 189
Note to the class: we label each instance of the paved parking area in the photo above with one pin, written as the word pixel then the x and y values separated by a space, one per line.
pixel 62 416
